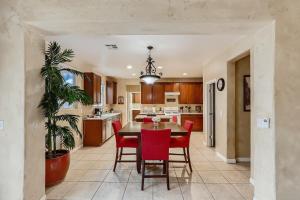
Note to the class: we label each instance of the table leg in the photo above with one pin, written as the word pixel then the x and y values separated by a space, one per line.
pixel 139 155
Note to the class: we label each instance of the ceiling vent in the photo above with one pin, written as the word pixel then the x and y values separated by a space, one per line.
pixel 111 46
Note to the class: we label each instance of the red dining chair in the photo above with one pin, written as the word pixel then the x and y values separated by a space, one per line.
pixel 184 143
pixel 155 146
pixel 147 120
pixel 122 142
pixel 174 118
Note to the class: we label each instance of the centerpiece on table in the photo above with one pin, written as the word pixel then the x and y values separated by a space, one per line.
pixel 156 121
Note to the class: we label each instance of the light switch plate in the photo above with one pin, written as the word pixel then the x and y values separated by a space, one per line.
pixel 263 123
pixel 1 124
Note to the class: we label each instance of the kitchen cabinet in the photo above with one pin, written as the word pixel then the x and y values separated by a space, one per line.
pixel 153 94
pixel 136 97
pixel 146 93
pixel 196 118
pixel 92 86
pixel 92 132
pixel 115 93
pixel 191 93
pixel 134 114
pixel 184 93
pixel 171 87
pixel 111 92
pixel 97 131
pixel 158 93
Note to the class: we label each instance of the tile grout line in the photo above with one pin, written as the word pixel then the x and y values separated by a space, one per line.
pixel 126 185
pixel 100 185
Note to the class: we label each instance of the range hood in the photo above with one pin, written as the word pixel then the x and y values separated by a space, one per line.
pixel 172 93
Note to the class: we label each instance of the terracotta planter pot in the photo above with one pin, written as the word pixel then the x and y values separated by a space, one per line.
pixel 57 168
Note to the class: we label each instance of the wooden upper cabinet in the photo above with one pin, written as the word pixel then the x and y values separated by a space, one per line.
pixel 111 92
pixel 158 93
pixel 153 94
pixel 136 97
pixel 184 93
pixel 197 89
pixel 92 86
pixel 191 93
pixel 115 92
pixel 146 93
pixel 171 87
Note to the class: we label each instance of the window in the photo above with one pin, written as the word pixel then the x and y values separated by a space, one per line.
pixel 71 80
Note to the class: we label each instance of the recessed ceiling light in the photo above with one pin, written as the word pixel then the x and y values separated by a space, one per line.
pixel 133 74
pixel 184 74
pixel 129 67
pixel 159 67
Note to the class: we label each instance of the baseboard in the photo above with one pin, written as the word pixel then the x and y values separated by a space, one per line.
pixel 43 197
pixel 251 180
pixel 230 161
pixel 75 149
pixel 243 159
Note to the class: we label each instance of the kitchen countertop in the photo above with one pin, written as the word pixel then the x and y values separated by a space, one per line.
pixel 191 113
pixel 102 117
pixel 160 116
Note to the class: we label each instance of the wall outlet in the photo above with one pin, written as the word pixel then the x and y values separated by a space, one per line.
pixel 263 123
pixel 1 124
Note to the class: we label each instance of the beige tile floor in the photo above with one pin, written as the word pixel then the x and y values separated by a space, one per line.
pixel 90 177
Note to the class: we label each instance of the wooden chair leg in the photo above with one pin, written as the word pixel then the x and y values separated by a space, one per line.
pixel 116 159
pixel 143 174
pixel 167 173
pixel 164 167
pixel 189 158
pixel 121 153
pixel 184 154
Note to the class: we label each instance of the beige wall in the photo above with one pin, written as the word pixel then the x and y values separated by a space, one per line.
pixel 242 118
pixel 177 17
pixel 12 98
pixel 261 46
pixel 287 90
pixel 34 123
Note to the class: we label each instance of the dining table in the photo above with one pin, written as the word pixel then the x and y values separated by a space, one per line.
pixel 134 129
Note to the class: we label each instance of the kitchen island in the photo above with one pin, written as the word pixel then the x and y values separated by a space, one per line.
pixel 163 118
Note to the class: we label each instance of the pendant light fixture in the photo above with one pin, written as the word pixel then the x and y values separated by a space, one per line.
pixel 150 76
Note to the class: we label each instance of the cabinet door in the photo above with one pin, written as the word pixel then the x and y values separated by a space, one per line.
pixel 171 87
pixel 98 88
pixel 184 90
pixel 134 114
pixel 158 93
pixel 109 92
pixel 136 97
pixel 146 93
pixel 89 86
pixel 92 132
pixel 197 93
pixel 115 93
pixel 197 119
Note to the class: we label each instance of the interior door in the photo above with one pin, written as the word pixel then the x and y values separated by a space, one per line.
pixel 211 115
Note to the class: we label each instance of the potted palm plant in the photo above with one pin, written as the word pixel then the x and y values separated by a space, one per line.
pixel 60 127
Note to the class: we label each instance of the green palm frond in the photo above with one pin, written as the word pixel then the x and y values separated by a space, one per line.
pixel 72 94
pixel 57 92
pixel 72 121
pixel 66 135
